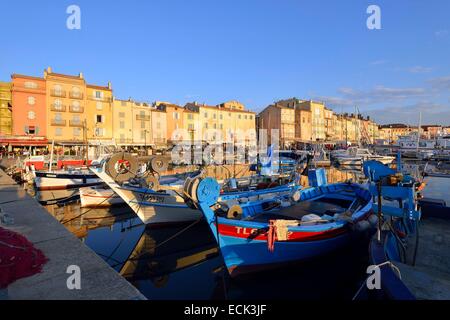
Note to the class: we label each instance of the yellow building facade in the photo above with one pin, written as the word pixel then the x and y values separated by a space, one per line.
pixel 303 128
pixel 329 121
pixel 5 109
pixel 99 113
pixel 66 105
pixel 138 124
pixel 142 134
pixel 159 128
pixel 122 122
pixel 317 110
pixel 282 118
pixel 227 122
pixel 77 111
pixel 192 125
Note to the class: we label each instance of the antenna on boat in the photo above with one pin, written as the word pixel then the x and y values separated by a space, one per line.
pixel 418 132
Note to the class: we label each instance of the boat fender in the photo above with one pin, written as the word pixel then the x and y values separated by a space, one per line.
pixel 310 218
pixel 296 196
pixel 158 164
pixel 235 212
pixel 121 167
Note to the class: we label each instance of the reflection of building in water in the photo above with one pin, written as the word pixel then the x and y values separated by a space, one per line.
pixel 80 220
pixel 155 257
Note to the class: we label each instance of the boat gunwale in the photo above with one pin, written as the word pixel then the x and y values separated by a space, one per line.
pixel 323 227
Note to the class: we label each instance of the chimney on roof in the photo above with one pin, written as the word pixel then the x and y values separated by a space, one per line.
pixel 80 75
pixel 109 85
pixel 47 71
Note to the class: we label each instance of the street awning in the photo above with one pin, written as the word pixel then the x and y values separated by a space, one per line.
pixel 20 142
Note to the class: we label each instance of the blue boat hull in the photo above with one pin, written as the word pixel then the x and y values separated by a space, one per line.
pixel 241 256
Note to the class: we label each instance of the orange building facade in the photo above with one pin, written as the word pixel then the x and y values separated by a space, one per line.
pixel 29 111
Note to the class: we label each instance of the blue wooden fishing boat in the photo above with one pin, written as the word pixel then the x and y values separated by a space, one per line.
pixel 266 233
pixel 411 248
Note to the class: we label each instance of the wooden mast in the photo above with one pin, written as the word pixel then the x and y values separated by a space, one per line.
pixel 85 142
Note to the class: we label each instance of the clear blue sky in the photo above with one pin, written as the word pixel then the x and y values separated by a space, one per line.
pixel 255 51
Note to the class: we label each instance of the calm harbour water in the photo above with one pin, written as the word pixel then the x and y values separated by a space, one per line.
pixel 189 266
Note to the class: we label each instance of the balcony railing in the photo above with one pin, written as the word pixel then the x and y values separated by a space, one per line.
pixel 141 117
pixel 76 109
pixel 58 122
pixel 76 95
pixel 76 123
pixel 58 107
pixel 103 99
pixel 57 93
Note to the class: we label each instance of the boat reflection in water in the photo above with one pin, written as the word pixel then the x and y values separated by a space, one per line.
pixel 80 221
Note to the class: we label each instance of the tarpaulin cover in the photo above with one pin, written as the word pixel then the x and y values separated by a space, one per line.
pixel 18 257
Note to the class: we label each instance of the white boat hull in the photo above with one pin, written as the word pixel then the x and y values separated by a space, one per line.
pixel 48 183
pixel 92 197
pixel 152 208
pixel 358 161
pixel 349 162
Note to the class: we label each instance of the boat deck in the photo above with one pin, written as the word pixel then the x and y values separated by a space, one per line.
pixel 296 212
pixel 429 279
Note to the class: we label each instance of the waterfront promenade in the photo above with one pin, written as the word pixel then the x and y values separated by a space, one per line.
pixel 98 280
